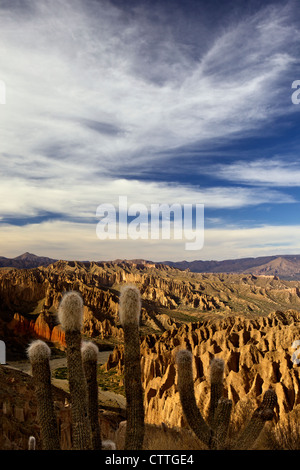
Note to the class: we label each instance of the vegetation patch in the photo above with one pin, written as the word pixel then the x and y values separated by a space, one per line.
pixel 110 381
pixel 107 380
pixel 61 373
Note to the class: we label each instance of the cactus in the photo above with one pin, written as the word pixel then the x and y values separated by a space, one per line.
pixel 187 397
pixel 221 422
pixel 70 315
pixel 82 367
pixel 39 354
pixel 213 433
pixel 31 443
pixel 82 372
pixel 216 388
pixel 89 353
pixel 129 312
pixel 253 429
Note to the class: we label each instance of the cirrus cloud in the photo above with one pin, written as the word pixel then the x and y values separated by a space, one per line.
pixel 98 95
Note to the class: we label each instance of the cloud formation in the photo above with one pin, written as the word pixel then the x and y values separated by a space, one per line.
pixel 66 71
pixel 63 239
pixel 98 95
pixel 277 171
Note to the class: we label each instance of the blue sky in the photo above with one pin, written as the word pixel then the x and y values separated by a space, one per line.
pixel 164 102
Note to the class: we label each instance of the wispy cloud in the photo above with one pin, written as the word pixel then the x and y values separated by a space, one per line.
pixel 68 71
pixel 64 197
pixel 79 241
pixel 95 91
pixel 275 171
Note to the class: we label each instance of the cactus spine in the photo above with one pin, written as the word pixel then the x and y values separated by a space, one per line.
pixel 221 422
pixel 130 309
pixel 39 354
pixel 70 315
pixel 262 414
pixel 216 388
pixel 89 353
pixel 187 397
pixel 214 432
pixel 31 443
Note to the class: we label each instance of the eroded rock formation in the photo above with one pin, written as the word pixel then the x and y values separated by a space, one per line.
pixel 256 345
pixel 29 298
pixel 258 353
pixel 170 296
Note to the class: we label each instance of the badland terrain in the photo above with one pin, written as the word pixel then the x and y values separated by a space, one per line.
pixel 249 318
pixel 285 266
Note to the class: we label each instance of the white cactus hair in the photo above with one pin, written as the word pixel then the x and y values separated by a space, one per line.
pixel 184 357
pixel 217 366
pixel 31 443
pixel 108 445
pixel 38 350
pixel 70 311
pixel 130 304
pixel 89 351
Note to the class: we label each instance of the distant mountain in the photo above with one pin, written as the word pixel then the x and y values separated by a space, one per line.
pixel 26 260
pixel 284 266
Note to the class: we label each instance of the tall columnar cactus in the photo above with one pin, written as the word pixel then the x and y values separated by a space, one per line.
pixel 70 315
pixel 39 355
pixel 188 400
pixel 216 388
pixel 129 311
pixel 221 422
pixel 253 429
pixel 213 433
pixel 89 357
pixel 31 443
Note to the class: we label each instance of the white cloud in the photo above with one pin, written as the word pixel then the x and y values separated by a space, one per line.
pixel 237 242
pixel 79 241
pixel 73 200
pixel 89 96
pixel 275 171
pixel 68 66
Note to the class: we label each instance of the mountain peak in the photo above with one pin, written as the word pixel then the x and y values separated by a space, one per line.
pixel 25 261
pixel 27 255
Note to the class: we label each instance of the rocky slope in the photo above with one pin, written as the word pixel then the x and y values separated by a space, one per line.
pixel 18 409
pixel 236 317
pixel 18 413
pixel 25 261
pixel 29 298
pixel 285 266
pixel 258 354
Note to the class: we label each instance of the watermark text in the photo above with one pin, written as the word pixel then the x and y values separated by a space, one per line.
pixel 159 222
pixel 296 94
pixel 2 92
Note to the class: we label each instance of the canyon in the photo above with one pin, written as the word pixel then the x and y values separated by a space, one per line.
pixel 284 266
pixel 250 321
pixel 258 353
pixel 29 298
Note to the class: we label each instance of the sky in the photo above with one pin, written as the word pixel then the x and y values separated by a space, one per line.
pixel 177 102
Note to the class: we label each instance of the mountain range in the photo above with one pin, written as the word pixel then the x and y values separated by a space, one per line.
pixel 25 261
pixel 283 266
